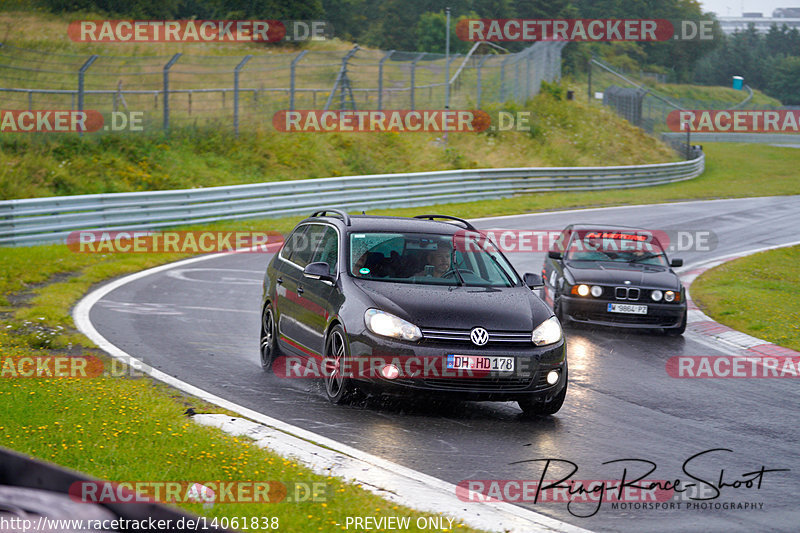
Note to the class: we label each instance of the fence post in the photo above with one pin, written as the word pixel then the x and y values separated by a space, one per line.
pixel 413 73
pixel 380 78
pixel 166 88
pixel 81 74
pixel 447 81
pixel 503 79
pixel 478 70
pixel 589 87
pixel 236 92
pixel 447 62
pixel 291 78
pixel 528 56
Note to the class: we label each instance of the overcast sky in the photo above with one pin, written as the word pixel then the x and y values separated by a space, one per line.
pixel 735 8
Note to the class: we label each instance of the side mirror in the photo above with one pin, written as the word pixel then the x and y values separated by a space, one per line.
pixel 533 281
pixel 320 271
pixel 554 255
pixel 676 263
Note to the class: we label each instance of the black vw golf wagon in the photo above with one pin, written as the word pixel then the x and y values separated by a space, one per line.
pixel 409 306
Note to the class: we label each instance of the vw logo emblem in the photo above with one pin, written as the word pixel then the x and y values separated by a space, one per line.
pixel 479 336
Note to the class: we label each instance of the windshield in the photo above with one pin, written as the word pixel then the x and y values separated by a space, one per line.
pixel 623 247
pixel 428 259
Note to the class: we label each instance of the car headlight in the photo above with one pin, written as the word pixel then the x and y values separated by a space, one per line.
pixel 387 325
pixel 597 290
pixel 548 332
pixel 581 290
pixel 656 295
pixel 669 296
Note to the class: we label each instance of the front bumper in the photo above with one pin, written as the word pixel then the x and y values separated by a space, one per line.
pixel 528 379
pixel 590 310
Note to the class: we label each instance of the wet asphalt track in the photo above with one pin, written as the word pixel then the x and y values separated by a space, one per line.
pixel 200 323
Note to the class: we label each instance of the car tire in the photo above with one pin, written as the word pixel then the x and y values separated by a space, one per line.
pixel 269 338
pixel 338 388
pixel 676 332
pixel 531 407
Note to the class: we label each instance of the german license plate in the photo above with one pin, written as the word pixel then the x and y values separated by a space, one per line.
pixel 480 362
pixel 627 308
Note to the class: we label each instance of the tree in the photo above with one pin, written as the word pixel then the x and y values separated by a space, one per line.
pixel 784 83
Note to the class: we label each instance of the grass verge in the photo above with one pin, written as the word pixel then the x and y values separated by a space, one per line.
pixel 125 427
pixel 768 281
pixel 562 133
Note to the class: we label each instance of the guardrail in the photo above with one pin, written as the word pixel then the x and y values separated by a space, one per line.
pixel 750 138
pixel 50 220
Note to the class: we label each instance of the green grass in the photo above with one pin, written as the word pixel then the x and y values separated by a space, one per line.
pixel 131 428
pixel 715 94
pixel 768 281
pixel 563 134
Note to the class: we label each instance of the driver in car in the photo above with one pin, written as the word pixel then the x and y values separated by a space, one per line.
pixel 439 259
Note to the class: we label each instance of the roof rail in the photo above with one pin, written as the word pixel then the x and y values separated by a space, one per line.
pixel 324 212
pixel 448 217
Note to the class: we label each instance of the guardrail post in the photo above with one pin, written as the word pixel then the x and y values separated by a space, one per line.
pixel 292 77
pixel 413 74
pixel 166 88
pixel 380 78
pixel 236 92
pixel 81 75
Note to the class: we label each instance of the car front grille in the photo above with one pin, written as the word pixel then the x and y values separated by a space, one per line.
pixel 462 335
pixel 488 383
pixel 627 293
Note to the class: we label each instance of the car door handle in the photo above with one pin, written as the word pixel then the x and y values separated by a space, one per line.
pixel 279 281
pixel 299 290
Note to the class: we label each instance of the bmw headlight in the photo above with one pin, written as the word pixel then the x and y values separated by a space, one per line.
pixel 656 295
pixel 670 296
pixel 387 325
pixel 580 290
pixel 548 332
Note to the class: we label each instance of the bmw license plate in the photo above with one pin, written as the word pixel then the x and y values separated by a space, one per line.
pixel 627 308
pixel 480 362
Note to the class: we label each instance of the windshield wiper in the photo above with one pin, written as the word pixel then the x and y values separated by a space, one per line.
pixel 642 258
